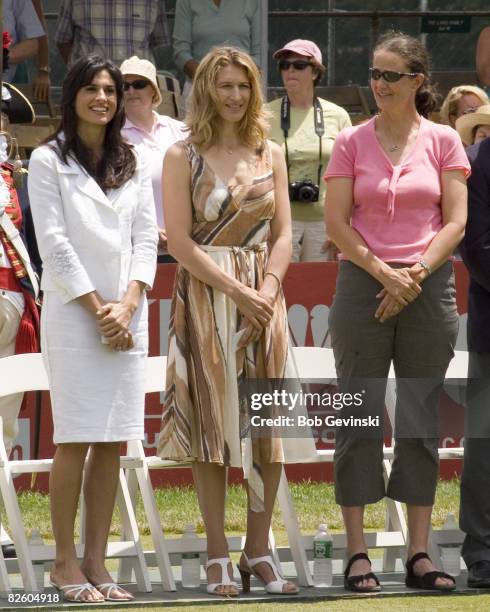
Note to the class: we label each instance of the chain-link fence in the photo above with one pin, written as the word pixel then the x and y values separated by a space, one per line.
pixel 347 30
pixel 345 39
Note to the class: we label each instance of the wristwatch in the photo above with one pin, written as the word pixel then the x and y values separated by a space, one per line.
pixel 46 69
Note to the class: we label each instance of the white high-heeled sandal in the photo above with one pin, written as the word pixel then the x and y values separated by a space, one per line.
pixel 274 586
pixel 225 578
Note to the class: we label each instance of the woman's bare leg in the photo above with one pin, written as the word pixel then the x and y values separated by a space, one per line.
pixel 100 486
pixel 258 524
pixel 418 521
pixel 65 481
pixel 210 483
pixel 354 529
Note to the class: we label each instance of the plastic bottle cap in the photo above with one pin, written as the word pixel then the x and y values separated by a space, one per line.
pixel 450 522
pixel 322 527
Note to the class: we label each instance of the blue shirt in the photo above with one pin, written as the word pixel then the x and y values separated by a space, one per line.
pixel 21 21
pixel 200 25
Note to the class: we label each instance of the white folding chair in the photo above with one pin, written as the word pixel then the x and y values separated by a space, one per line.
pixel 318 363
pixel 313 363
pixel 139 477
pixel 26 372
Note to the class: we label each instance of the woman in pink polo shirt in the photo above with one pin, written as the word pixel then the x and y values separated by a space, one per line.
pixel 396 210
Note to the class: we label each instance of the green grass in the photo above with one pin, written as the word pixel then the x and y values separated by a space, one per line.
pixel 314 503
pixel 444 603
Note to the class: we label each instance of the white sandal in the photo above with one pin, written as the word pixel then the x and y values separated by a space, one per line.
pixel 78 589
pixel 225 578
pixel 274 586
pixel 110 587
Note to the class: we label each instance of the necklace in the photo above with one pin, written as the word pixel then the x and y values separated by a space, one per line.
pixel 395 147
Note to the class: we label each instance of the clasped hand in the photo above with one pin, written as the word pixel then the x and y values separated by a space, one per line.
pixel 400 288
pixel 257 307
pixel 113 321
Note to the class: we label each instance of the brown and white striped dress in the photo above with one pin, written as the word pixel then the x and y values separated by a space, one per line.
pixel 203 418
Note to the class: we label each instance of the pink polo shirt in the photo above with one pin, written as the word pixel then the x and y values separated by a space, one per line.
pixel 397 209
pixel 166 132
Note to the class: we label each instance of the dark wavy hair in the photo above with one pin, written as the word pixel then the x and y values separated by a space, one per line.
pixel 118 162
pixel 416 57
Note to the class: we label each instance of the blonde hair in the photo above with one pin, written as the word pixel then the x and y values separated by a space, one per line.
pixel 450 105
pixel 203 117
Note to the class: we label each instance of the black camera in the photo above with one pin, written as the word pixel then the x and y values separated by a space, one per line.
pixel 304 191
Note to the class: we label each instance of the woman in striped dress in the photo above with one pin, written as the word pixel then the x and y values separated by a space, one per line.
pixel 228 219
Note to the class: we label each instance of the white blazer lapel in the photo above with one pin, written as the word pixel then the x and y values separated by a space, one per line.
pixel 83 181
pixel 114 194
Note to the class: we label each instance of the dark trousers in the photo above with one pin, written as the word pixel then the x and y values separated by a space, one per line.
pixel 420 341
pixel 475 482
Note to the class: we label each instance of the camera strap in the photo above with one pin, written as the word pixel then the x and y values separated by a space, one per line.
pixel 319 129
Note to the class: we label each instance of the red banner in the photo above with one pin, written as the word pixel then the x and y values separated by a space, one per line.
pixel 309 290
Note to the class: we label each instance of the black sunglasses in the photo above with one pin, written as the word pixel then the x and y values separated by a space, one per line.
pixel 390 76
pixel 138 84
pixel 285 64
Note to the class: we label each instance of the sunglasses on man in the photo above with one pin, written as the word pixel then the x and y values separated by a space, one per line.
pixel 285 64
pixel 137 84
pixel 390 76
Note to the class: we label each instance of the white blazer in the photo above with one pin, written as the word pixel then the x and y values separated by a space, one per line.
pixel 89 240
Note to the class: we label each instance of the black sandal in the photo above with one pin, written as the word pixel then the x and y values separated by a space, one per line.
pixel 351 582
pixel 428 580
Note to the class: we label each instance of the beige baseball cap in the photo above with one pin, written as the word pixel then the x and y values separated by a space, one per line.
pixel 145 69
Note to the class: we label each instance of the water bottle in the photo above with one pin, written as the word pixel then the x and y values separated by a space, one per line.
pixel 35 539
pixel 451 553
pixel 191 563
pixel 322 557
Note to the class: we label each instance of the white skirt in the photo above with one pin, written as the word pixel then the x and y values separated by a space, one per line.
pixel 97 394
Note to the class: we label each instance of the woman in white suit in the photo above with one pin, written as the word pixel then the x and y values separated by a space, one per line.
pixel 94 216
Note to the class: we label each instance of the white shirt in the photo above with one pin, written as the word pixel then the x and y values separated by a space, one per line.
pixel 166 132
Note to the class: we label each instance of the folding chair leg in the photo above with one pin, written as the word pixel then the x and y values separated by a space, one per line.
pixel 395 522
pixel 273 548
pixel 390 555
pixel 4 576
pixel 433 550
pixel 83 515
pixel 126 564
pixel 294 535
pixel 135 449
pixel 9 496
pixel 130 526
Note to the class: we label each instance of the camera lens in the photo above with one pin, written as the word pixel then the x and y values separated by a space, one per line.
pixel 307 193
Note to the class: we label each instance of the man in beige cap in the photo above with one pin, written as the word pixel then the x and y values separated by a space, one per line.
pixel 151 132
